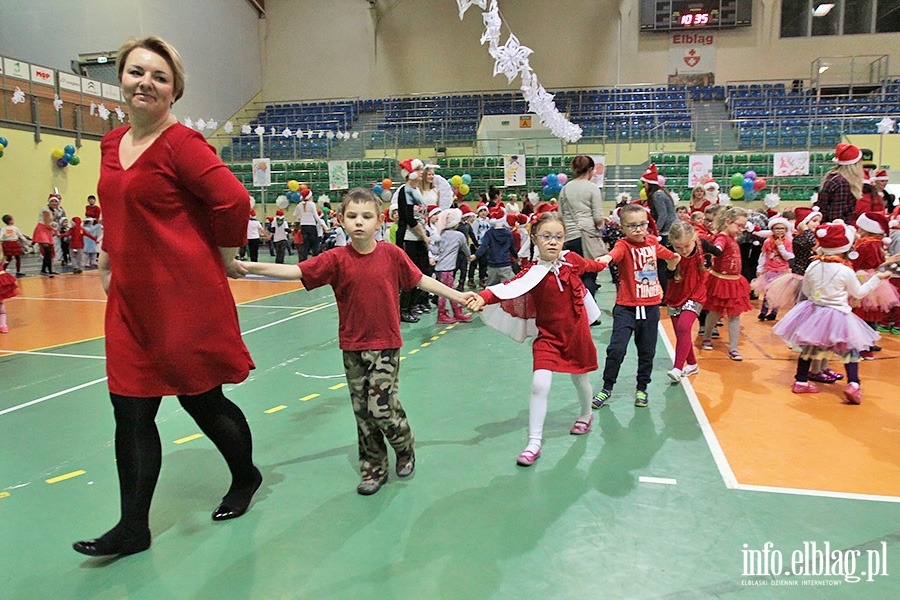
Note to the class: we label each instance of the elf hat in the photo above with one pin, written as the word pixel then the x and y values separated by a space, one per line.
pixel 835 238
pixel 847 154
pixel 651 175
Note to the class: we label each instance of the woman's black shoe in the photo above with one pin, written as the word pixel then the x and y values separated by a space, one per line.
pixel 409 317
pixel 112 544
pixel 236 503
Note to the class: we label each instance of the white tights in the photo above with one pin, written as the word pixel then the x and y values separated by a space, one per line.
pixel 540 390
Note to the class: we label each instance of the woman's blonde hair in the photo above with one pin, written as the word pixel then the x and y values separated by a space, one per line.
pixel 158 46
pixel 854 176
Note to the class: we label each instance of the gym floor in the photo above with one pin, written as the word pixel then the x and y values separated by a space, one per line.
pixel 704 494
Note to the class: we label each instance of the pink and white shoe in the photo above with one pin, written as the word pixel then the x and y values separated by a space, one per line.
pixel 581 427
pixel 4 329
pixel 527 458
pixel 804 387
pixel 853 394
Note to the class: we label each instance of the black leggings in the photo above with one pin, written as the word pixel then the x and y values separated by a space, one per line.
pixel 139 451
pixel 47 253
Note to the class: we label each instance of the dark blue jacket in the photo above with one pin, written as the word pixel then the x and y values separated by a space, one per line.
pixel 498 244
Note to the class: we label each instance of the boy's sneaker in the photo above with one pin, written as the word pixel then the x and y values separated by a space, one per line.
pixel 674 375
pixel 735 355
pixel 601 398
pixel 640 399
pixel 706 345
pixel 701 330
pixel 715 333
pixel 884 328
pixel 371 484
pixel 690 370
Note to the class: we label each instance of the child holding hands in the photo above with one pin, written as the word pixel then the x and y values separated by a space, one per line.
pixel 367 274
pixel 9 287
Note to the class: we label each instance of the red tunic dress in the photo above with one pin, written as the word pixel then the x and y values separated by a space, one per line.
pixel 564 343
pixel 690 281
pixel 171 322
pixel 727 293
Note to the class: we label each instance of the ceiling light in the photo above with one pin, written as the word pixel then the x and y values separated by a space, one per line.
pixel 823 9
pixel 822 69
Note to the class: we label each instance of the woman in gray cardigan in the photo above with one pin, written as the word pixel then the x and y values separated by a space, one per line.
pixel 581 206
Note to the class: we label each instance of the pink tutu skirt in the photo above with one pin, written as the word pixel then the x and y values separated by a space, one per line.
pixel 762 282
pixel 880 300
pixel 785 291
pixel 810 325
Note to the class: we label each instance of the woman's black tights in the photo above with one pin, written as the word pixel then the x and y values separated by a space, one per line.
pixel 139 452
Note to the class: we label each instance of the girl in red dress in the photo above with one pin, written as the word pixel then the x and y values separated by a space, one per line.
pixel 548 300
pixel 727 293
pixel 9 287
pixel 867 257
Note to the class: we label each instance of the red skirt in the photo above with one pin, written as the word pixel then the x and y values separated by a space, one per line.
pixel 9 286
pixel 727 297
pixel 13 248
pixel 42 234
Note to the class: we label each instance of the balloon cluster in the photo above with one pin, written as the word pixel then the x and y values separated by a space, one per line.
pixel 461 185
pixel 3 144
pixel 383 189
pixel 65 157
pixel 746 186
pixel 297 190
pixel 553 183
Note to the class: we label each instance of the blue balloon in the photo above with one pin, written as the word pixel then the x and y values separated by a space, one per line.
pixel 69 149
pixel 294 196
pixel 558 188
pixel 467 179
pixel 751 195
pixel 548 191
pixel 552 180
pixel 747 184
pixel 4 142
pixel 377 189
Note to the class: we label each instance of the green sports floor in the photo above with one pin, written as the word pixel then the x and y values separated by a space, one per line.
pixel 636 509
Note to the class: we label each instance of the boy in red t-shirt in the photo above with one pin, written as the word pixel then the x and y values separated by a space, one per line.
pixel 367 274
pixel 637 301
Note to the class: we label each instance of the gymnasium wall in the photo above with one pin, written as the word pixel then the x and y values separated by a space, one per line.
pixel 29 175
pixel 220 41
pixel 344 48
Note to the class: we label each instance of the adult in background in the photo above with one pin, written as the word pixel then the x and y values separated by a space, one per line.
pixel 411 235
pixel 92 210
pixel 581 207
pixel 842 185
pixel 879 182
pixel 307 214
pixel 175 217
pixel 45 234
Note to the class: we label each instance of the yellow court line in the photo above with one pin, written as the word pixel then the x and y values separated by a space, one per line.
pixel 441 333
pixel 426 344
pixel 450 326
pixel 276 409
pixel 267 297
pixel 66 476
pixel 435 338
pixel 414 351
pixel 4 494
pixel 99 337
pixel 297 312
pixel 189 438
pixel 310 397
pixel 402 358
pixel 338 386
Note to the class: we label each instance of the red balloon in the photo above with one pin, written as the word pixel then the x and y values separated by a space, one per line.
pixel 759 183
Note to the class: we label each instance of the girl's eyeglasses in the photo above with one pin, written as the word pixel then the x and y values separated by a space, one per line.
pixel 547 237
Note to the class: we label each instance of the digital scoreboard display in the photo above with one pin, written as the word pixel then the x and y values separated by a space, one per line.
pixel 668 15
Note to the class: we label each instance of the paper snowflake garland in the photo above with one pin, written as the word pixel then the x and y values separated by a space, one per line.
pixel 57 103
pixel 259 130
pixel 330 135
pixel 18 96
pixel 465 4
pixel 93 109
pixel 272 130
pixel 886 125
pixel 201 124
pixel 299 134
pixel 229 127
pixel 286 132
pixel 355 135
pixel 245 129
pixel 492 24
pixel 103 112
pixel 189 122
pixel 510 58
pixel 212 124
pixel 120 114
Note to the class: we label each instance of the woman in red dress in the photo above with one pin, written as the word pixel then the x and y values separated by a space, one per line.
pixel 174 218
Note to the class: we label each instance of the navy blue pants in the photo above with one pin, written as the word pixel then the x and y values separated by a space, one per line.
pixel 642 321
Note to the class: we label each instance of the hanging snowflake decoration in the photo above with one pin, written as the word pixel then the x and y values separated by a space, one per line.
pixel 510 58
pixel 245 129
pixel 259 130
pixel 492 24
pixel 18 96
pixel 189 122
pixel 103 112
pixel 886 125
pixel 286 132
pixel 57 103
pixel 93 109
pixel 212 124
pixel 355 135
pixel 120 114
pixel 465 4
pixel 201 124
pixel 229 127
pixel 299 134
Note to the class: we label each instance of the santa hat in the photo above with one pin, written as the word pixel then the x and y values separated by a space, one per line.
pixel 387 216
pixel 847 154
pixel 497 217
pixel 466 210
pixel 306 194
pixel 651 175
pixel 835 238
pixel 54 196
pixel 779 220
pixel 448 219
pixel 270 218
pixel 253 213
pixel 711 186
pixel 410 166
pixel 867 178
pixel 515 218
pixel 874 222
pixel 804 214
pixel 279 213
pixel 481 206
pixel 433 210
pixel 545 207
pixel 76 220
pixel 501 206
pixel 880 175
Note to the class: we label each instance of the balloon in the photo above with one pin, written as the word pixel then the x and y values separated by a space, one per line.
pixel 751 195
pixel 1 151
pixel 293 185
pixel 386 196
pixel 456 180
pixel 2 146
pixel 750 174
pixel 557 188
pixel 544 181
pixel 759 184
pixel 747 184
pixel 463 188
pixel 467 179
pixel 377 189
pixel 562 178
pixel 294 196
pixel 57 154
pixel 70 149
pixel 548 191
pixel 4 142
pixel 643 194
pixel 74 160
pixel 303 187
pixel 736 179
pixel 737 192
pixel 386 183
pixel 552 179
pixel 661 179
pixel 61 163
pixel 281 202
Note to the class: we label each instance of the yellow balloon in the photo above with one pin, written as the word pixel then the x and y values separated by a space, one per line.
pixel 293 185
pixel 2 147
pixel 737 192
pixel 643 194
pixel 456 180
pixel 57 154
pixel 463 189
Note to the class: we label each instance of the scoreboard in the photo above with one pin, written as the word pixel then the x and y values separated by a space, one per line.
pixel 668 15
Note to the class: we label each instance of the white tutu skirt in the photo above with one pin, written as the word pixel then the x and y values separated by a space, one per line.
pixel 809 325
pixel 882 299
pixel 785 291
pixel 761 284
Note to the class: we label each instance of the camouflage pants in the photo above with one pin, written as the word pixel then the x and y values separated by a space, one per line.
pixel 373 378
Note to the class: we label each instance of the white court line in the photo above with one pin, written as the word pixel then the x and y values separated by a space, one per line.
pixel 57 354
pixel 280 321
pixel 662 480
pixel 51 396
pixel 727 474
pixel 272 306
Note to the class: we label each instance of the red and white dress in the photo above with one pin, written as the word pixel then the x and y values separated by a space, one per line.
pixel 549 300
pixel 727 293
pixel 876 306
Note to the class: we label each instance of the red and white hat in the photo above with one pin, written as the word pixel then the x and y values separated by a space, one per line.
pixel 779 220
pixel 54 196
pixel 410 168
pixel 651 175
pixel 481 206
pixel 847 154
pixel 873 222
pixel 835 238
pixel 516 218
pixel 880 175
pixel 804 214
pixel 306 194
pixel 279 213
pixel 867 178
pixel 433 210
pixel 466 209
pixel 253 213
